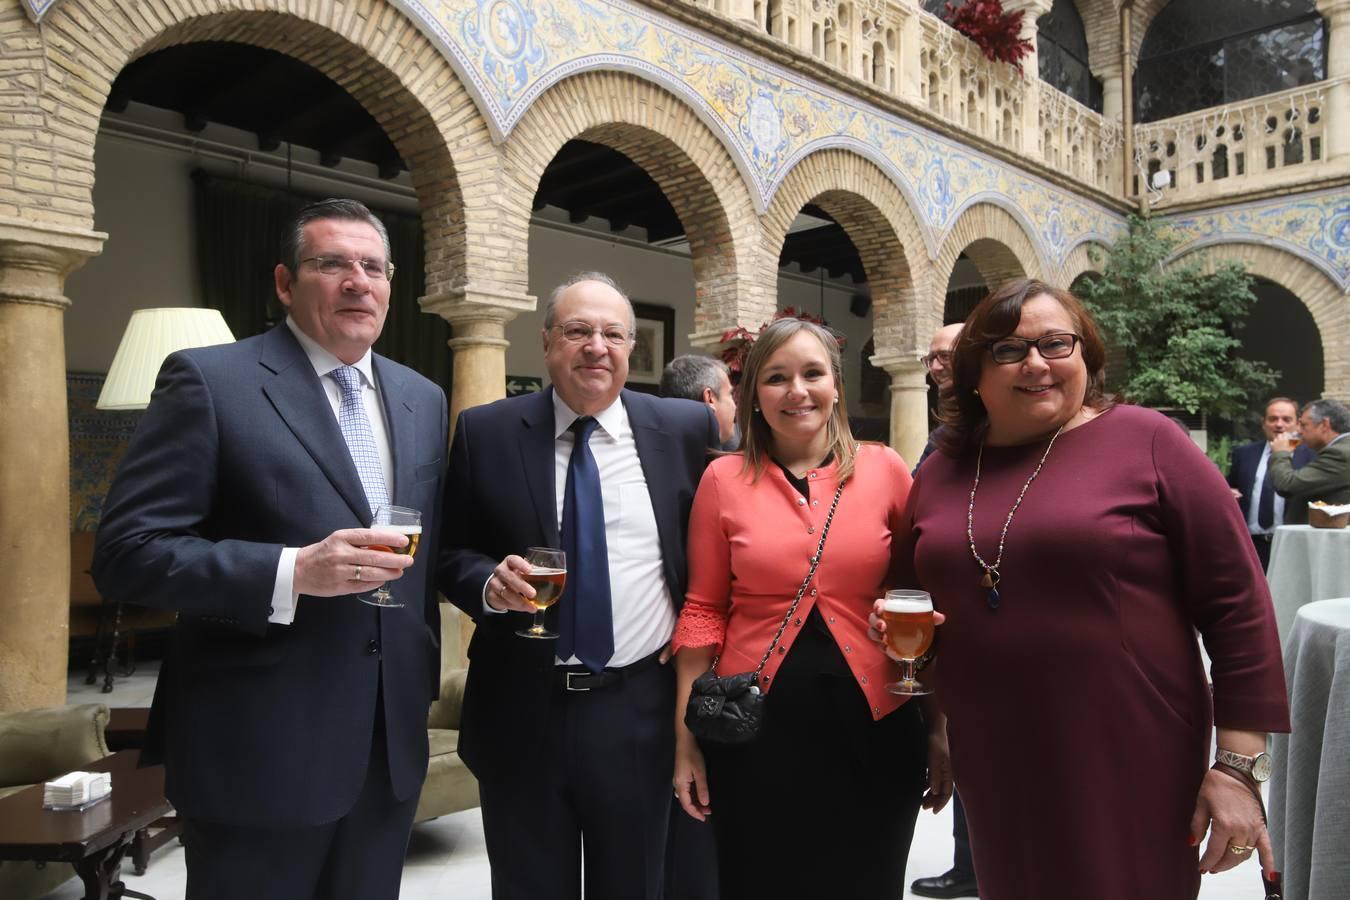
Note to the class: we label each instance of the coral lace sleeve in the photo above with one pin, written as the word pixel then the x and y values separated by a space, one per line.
pixel 703 619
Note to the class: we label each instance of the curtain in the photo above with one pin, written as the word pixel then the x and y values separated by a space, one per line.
pixel 239 227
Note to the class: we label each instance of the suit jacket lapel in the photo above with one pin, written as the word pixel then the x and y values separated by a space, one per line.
pixel 402 422
pixel 299 398
pixel 537 458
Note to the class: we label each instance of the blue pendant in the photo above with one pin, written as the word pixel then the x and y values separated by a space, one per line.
pixel 993 598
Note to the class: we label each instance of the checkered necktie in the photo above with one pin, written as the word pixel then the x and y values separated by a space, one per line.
pixel 360 437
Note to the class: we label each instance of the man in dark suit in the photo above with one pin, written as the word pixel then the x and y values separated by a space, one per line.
pixel 290 716
pixel 572 740
pixel 1248 476
pixel 1324 426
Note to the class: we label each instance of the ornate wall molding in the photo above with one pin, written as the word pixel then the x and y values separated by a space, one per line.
pixel 1314 227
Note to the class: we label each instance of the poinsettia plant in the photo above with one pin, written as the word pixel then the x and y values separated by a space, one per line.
pixel 996 32
pixel 736 342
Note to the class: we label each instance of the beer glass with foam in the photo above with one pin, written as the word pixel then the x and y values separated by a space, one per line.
pixel 547 575
pixel 404 521
pixel 909 633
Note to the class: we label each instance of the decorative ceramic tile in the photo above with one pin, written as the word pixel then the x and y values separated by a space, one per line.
pixel 1314 227
pixel 97 441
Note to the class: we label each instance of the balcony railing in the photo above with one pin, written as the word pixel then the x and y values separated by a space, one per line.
pixel 1078 141
pixel 1267 141
pixel 919 59
pixel 959 84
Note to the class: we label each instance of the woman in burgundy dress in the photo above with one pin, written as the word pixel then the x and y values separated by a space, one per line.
pixel 1076 547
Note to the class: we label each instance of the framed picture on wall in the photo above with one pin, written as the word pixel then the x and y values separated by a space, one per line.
pixel 653 348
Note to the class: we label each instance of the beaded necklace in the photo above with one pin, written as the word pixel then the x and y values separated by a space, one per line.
pixel 991 576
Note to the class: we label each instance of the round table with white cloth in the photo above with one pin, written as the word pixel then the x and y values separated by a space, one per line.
pixel 1307 564
pixel 1310 786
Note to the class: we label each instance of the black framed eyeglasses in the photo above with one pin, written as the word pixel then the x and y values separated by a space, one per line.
pixel 581 332
pixel 1009 350
pixel 375 269
pixel 942 356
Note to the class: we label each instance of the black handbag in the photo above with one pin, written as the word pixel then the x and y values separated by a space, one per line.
pixel 729 709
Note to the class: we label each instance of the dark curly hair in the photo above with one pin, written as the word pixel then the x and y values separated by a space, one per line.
pixel 962 412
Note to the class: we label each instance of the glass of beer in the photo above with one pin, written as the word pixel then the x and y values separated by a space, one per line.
pixel 406 522
pixel 547 575
pixel 909 633
pixel 1293 437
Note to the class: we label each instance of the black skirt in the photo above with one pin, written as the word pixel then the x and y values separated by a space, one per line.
pixel 823 802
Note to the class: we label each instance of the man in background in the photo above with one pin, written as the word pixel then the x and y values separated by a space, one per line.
pixel 705 380
pixel 1323 425
pixel 1249 476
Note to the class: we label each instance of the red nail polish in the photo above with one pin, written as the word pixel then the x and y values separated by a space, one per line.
pixel 1190 839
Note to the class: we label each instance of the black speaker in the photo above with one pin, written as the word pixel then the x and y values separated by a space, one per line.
pixel 859 304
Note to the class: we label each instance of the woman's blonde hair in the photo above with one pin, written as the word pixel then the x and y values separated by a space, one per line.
pixel 756 436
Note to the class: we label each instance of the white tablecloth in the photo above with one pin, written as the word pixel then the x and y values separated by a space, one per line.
pixel 1307 564
pixel 1310 787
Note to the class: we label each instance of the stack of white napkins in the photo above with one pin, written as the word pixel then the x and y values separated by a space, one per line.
pixel 76 790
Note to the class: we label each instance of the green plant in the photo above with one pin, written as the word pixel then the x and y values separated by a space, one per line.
pixel 1176 327
pixel 1220 452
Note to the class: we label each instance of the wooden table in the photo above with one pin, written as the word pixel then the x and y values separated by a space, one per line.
pixel 94 840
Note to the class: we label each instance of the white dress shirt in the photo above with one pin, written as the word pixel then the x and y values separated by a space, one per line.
pixel 644 616
pixel 1254 502
pixel 284 597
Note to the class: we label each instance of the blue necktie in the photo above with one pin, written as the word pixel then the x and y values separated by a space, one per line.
pixel 1265 507
pixel 360 437
pixel 586 626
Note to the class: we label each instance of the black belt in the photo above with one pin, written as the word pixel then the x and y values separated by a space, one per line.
pixel 1263 537
pixel 578 678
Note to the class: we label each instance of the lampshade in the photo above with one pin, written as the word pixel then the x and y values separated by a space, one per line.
pixel 151 335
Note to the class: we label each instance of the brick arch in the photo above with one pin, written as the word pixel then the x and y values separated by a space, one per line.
pixel 660 133
pixel 870 208
pixel 1329 305
pixel 379 57
pixel 1080 260
pixel 994 241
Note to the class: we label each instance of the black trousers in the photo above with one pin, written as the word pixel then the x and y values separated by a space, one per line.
pixel 1262 544
pixel 691 858
pixel 600 793
pixel 824 777
pixel 358 857
pixel 962 860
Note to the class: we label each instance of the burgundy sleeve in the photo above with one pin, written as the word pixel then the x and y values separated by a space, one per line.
pixel 1223 588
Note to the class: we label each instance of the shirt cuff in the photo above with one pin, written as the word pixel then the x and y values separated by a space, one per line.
pixel 487 607
pixel 284 597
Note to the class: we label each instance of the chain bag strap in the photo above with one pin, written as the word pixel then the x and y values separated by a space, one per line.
pixel 730 709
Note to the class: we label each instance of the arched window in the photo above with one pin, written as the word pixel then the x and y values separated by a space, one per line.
pixel 1062 48
pixel 1202 53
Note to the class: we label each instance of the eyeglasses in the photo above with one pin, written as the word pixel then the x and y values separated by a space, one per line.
pixel 580 333
pixel 1007 351
pixel 942 356
pixel 375 269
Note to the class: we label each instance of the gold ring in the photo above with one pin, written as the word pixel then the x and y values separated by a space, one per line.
pixel 1240 850
pixel 357 576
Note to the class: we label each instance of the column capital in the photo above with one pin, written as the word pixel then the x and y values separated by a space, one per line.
pixel 1034 9
pixel 906 372
pixel 477 302
pixel 35 260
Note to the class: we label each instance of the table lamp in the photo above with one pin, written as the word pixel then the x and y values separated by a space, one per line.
pixel 151 335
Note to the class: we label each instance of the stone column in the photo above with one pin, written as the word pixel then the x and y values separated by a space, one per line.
pixel 1113 83
pixel 1031 75
pixel 1336 110
pixel 909 74
pixel 35 461
pixel 909 403
pixel 477 317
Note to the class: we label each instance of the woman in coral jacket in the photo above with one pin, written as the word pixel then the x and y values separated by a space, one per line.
pixel 807 782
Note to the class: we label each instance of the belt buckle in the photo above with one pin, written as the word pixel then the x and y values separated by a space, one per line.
pixel 580 675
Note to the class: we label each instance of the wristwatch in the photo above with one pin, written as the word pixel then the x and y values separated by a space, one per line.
pixel 1255 767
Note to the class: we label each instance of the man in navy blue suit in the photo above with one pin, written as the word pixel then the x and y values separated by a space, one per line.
pixel 290 716
pixel 1255 493
pixel 572 738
